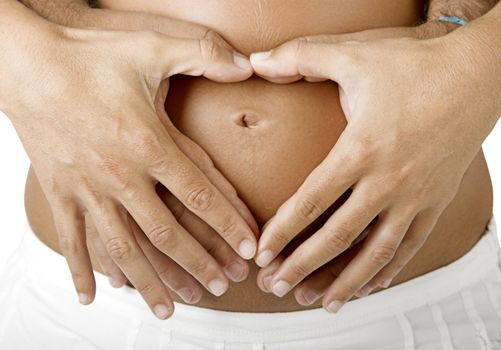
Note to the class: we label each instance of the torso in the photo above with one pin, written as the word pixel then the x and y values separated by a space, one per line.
pixel 288 129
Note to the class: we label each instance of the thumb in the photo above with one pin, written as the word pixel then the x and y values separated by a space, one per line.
pixel 165 56
pixel 306 57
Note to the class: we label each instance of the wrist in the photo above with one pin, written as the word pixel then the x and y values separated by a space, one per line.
pixel 434 29
pixel 469 60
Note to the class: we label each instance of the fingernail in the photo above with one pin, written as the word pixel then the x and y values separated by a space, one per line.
pixel 386 283
pixel 83 299
pixel 241 61
pixel 264 258
pixel 267 283
pixel 115 283
pixel 334 306
pixel 217 287
pixel 247 249
pixel 161 311
pixel 186 294
pixel 280 288
pixel 235 270
pixel 310 296
pixel 260 56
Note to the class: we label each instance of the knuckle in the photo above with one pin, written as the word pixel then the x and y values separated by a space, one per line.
pixel 352 52
pixel 280 238
pixel 208 49
pixel 298 269
pixel 362 152
pixel 309 208
pixel 119 248
pixel 79 278
pixel 216 248
pixel 150 40
pixel 398 265
pixel 396 179
pixel 163 236
pixel 228 228
pixel 361 155
pixel 164 274
pixel 199 197
pixel 145 145
pixel 350 289
pixel 113 169
pixel 300 45
pixel 382 254
pixel 68 245
pixel 198 267
pixel 338 240
pixel 214 36
pixel 412 245
pixel 146 289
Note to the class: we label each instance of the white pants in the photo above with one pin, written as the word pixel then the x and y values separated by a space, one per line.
pixel 455 307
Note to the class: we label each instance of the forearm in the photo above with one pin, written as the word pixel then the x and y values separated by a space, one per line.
pixel 77 13
pixel 21 32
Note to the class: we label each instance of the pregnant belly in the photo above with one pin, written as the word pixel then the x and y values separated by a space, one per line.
pixel 266 138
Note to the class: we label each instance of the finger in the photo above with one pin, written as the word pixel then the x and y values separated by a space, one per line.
pixel 70 226
pixel 233 265
pixel 325 184
pixel 265 275
pixel 414 239
pixel 189 184
pixel 173 275
pixel 165 233
pixel 122 247
pixel 108 266
pixel 314 286
pixel 167 55
pixel 377 251
pixel 307 57
pixel 198 155
pixel 336 236
pixel 314 80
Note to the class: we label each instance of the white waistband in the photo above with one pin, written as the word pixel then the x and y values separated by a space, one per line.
pixel 49 268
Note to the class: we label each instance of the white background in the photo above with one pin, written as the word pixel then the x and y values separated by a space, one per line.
pixel 14 166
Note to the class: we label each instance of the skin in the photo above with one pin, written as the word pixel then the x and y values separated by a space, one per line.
pixel 79 14
pixel 406 185
pixel 78 171
pixel 382 33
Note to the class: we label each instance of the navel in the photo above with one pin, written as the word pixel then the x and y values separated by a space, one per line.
pixel 247 120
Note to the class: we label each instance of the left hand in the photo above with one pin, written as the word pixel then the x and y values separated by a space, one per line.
pixel 410 137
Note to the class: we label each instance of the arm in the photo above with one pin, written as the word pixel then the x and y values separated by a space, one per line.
pixel 78 14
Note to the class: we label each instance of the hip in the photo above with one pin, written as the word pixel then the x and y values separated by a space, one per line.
pixel 457 306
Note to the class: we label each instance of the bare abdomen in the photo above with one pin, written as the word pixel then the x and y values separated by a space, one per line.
pixel 266 138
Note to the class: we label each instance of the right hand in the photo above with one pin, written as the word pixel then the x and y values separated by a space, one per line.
pixel 101 154
pixel 173 275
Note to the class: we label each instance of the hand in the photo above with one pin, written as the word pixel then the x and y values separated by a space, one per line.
pixel 106 151
pixel 404 153
pixel 168 270
pixel 315 285
pixel 79 14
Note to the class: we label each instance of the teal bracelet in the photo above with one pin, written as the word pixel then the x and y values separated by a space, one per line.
pixel 452 19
